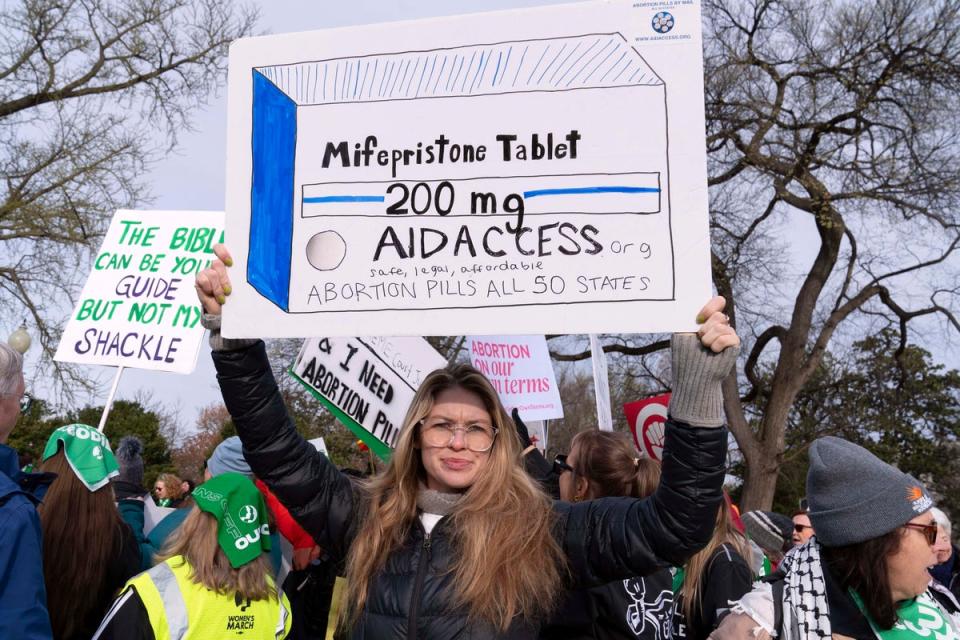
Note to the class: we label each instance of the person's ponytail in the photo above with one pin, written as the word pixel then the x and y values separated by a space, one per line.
pixel 611 464
pixel 647 476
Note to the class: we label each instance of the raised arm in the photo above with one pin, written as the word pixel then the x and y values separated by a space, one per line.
pixel 318 496
pixel 537 466
pixel 619 538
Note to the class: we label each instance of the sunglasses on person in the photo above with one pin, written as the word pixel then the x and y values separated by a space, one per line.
pixel 800 527
pixel 560 465
pixel 929 531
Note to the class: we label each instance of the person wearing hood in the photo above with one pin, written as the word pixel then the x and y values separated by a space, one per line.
pixel 88 550
pixel 213 578
pixel 864 575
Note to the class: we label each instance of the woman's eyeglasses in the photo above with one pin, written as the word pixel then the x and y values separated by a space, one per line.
pixel 477 437
pixel 929 531
pixel 800 527
pixel 560 465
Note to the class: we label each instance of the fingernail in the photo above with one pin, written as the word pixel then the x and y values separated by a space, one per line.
pixel 227 289
pixel 228 262
pixel 700 319
pixel 221 299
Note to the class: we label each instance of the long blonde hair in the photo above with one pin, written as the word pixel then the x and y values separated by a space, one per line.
pixel 196 541
pixel 507 561
pixel 696 567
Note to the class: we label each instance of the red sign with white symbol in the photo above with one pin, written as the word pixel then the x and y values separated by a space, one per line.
pixel 647 419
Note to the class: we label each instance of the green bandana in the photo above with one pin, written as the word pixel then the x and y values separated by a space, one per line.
pixel 88 452
pixel 921 617
pixel 765 567
pixel 242 529
pixel 678 575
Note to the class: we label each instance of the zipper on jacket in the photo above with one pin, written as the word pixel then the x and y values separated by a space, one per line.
pixel 418 586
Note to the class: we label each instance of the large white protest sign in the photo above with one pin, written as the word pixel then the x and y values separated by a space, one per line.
pixel 367 383
pixel 519 368
pixel 532 171
pixel 138 307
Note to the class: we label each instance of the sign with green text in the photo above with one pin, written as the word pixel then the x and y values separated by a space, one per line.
pixel 367 383
pixel 138 307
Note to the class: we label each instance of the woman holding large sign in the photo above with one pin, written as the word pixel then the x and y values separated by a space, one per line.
pixel 454 539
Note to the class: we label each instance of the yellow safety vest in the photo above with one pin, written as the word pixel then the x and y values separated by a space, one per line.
pixel 181 609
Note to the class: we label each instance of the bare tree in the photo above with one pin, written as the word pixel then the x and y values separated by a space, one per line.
pixel 91 92
pixel 832 136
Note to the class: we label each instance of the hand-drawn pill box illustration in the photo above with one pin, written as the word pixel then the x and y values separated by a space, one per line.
pixel 511 174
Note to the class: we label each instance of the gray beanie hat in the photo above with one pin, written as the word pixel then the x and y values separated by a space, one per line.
pixel 768 529
pixel 854 496
pixel 228 456
pixel 129 456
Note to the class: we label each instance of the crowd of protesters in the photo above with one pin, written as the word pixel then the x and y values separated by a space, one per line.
pixel 468 532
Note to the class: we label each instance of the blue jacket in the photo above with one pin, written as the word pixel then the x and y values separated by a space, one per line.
pixel 23 597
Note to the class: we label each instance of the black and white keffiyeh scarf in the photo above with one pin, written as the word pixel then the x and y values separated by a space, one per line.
pixel 806 613
pixel 803 599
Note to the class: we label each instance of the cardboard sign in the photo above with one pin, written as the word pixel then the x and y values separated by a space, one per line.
pixel 138 307
pixel 532 171
pixel 647 420
pixel 367 383
pixel 520 369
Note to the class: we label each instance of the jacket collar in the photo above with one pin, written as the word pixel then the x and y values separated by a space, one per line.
pixel 9 472
pixel 33 485
pixel 9 462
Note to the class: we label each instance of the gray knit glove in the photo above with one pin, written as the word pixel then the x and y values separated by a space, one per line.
pixel 697 373
pixel 218 342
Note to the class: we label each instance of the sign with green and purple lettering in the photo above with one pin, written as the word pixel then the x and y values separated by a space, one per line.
pixel 522 172
pixel 138 307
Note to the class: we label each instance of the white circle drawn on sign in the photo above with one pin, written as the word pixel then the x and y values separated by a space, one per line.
pixel 649 429
pixel 248 514
pixel 326 250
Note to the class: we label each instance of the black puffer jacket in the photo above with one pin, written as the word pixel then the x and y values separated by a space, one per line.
pixel 604 540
